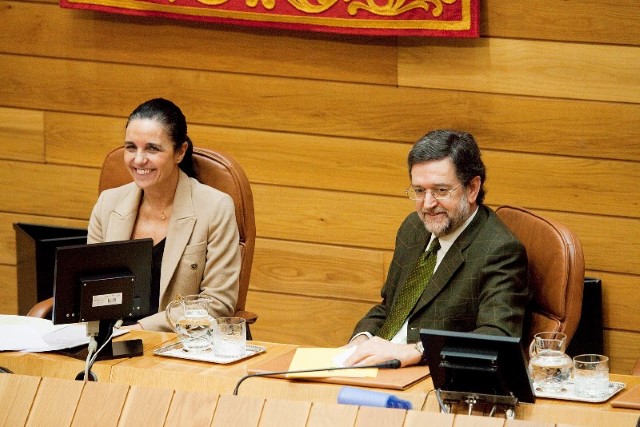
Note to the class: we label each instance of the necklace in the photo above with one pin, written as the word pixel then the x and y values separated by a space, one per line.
pixel 163 215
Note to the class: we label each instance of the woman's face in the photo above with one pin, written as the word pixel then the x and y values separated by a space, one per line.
pixel 149 155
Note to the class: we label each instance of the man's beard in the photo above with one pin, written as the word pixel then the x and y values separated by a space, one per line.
pixel 452 220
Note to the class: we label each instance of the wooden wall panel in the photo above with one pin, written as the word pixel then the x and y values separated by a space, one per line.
pixel 562 183
pixel 310 161
pixel 8 290
pixel 623 349
pixel 81 140
pixel 605 240
pixel 620 300
pixel 295 319
pixel 38 189
pixel 80 35
pixel 587 134
pixel 317 270
pixel 309 107
pixel 21 135
pixel 536 68
pixel 328 217
pixel 603 21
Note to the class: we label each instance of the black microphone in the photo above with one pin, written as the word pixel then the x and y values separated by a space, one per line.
pixel 389 364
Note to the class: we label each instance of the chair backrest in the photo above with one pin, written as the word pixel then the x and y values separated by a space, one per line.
pixel 219 171
pixel 556 271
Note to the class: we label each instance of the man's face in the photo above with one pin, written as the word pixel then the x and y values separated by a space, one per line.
pixel 441 217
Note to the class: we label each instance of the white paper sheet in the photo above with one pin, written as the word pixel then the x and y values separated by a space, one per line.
pixel 32 334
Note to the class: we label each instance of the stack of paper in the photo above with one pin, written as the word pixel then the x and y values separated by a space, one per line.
pixel 33 334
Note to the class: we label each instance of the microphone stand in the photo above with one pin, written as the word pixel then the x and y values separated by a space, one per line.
pixel 389 364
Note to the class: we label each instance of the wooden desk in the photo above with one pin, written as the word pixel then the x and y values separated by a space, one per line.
pixel 570 412
pixel 35 401
pixel 190 378
pixel 187 375
pixel 59 366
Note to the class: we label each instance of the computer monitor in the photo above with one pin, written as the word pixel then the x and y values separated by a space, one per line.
pixel 35 259
pixel 484 367
pixel 103 282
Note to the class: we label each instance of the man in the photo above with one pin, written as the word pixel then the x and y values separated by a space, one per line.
pixel 473 271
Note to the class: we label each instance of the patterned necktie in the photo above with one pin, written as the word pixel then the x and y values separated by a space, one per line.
pixel 410 293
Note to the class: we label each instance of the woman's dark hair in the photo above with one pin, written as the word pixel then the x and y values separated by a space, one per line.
pixel 460 147
pixel 170 116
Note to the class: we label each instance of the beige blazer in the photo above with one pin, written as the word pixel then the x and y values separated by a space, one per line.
pixel 202 251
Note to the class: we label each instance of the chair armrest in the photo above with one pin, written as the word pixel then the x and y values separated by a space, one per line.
pixel 41 309
pixel 248 316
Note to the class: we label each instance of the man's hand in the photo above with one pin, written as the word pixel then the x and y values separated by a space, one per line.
pixel 378 350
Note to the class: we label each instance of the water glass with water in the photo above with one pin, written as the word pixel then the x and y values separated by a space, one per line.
pixel 591 375
pixel 230 337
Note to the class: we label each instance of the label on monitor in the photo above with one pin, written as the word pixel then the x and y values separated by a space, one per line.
pixel 107 299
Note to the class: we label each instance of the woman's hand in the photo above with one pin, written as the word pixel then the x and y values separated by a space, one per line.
pixel 135 327
pixel 377 350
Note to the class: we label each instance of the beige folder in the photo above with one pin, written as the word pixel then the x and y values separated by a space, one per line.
pixel 396 379
pixel 628 399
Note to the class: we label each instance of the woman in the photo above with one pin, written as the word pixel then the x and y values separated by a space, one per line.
pixel 193 226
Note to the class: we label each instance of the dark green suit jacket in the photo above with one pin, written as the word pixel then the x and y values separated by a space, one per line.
pixel 480 285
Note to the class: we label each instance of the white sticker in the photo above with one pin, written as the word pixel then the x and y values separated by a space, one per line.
pixel 107 299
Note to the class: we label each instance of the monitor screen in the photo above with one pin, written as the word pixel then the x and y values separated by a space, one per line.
pixel 99 284
pixel 102 281
pixel 477 363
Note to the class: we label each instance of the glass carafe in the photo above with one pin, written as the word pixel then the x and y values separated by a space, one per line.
pixel 549 366
pixel 191 317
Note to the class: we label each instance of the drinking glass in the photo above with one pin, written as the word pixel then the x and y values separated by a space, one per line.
pixel 591 375
pixel 230 337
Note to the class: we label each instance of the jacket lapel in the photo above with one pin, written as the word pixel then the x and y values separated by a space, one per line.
pixel 181 226
pixel 123 217
pixel 452 261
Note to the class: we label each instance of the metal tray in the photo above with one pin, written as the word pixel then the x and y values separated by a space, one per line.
pixel 176 350
pixel 567 393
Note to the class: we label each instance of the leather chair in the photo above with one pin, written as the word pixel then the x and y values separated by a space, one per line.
pixel 212 168
pixel 556 272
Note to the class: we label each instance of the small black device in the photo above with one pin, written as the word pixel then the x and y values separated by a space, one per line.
pixel 103 282
pixel 476 368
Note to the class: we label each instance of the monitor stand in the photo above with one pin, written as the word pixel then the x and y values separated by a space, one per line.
pixel 113 350
pixel 447 399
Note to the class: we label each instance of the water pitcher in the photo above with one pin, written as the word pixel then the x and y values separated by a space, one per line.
pixel 549 366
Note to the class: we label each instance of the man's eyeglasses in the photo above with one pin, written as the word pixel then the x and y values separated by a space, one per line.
pixel 439 193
